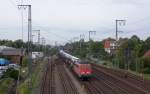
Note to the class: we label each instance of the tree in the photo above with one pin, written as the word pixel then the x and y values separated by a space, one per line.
pixel 145 47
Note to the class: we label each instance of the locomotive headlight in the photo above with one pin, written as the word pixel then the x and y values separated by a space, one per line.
pixel 88 72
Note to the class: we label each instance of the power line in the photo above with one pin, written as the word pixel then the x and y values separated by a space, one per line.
pixel 13 3
pixel 59 36
pixel 139 20
pixel 22 20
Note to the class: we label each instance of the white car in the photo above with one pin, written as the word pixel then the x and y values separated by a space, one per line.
pixel 3 67
pixel 15 66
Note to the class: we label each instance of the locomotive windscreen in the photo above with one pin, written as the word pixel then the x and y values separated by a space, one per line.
pixel 83 62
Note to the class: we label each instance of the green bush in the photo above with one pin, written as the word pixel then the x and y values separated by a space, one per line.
pixel 25 61
pixel 105 63
pixel 147 70
pixel 12 73
pixel 6 84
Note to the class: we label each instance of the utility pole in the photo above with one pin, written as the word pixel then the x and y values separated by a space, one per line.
pixel 43 44
pixel 39 37
pixel 21 53
pixel 81 40
pixel 120 22
pixel 38 31
pixel 56 43
pixel 91 32
pixel 43 40
pixel 29 41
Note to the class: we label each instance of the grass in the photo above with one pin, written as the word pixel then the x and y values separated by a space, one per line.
pixel 5 85
pixel 36 77
pixel 147 76
pixel 23 88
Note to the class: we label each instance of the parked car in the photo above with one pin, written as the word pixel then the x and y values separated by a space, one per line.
pixel 14 66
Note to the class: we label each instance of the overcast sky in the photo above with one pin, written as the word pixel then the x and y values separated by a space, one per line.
pixel 61 20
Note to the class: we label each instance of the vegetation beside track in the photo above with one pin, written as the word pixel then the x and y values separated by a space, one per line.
pixel 6 84
pixel 8 81
pixel 36 78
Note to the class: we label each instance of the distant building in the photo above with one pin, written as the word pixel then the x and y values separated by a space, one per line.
pixel 37 55
pixel 12 54
pixel 109 45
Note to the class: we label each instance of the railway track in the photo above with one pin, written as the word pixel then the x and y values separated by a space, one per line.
pixel 116 89
pixel 99 85
pixel 48 85
pixel 102 83
pixel 92 88
pixel 125 86
pixel 131 78
pixel 68 86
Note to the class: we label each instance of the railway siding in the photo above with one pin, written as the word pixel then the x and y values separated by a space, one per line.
pixel 57 79
pixel 66 81
pixel 48 85
pixel 120 82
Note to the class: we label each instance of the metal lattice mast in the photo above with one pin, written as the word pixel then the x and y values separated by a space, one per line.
pixel 29 41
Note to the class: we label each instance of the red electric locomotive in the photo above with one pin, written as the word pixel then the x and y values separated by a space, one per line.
pixel 81 68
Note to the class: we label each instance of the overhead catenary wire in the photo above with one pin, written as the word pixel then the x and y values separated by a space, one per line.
pixel 106 31
pixel 22 21
pixel 48 31
pixel 12 2
pixel 57 35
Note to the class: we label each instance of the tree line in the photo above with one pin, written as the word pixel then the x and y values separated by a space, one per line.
pixel 47 49
pixel 129 54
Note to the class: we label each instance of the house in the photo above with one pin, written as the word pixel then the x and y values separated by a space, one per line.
pixel 109 45
pixel 12 54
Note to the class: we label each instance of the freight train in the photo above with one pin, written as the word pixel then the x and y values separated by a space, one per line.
pixel 81 68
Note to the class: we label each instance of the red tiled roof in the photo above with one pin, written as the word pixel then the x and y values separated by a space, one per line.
pixel 109 39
